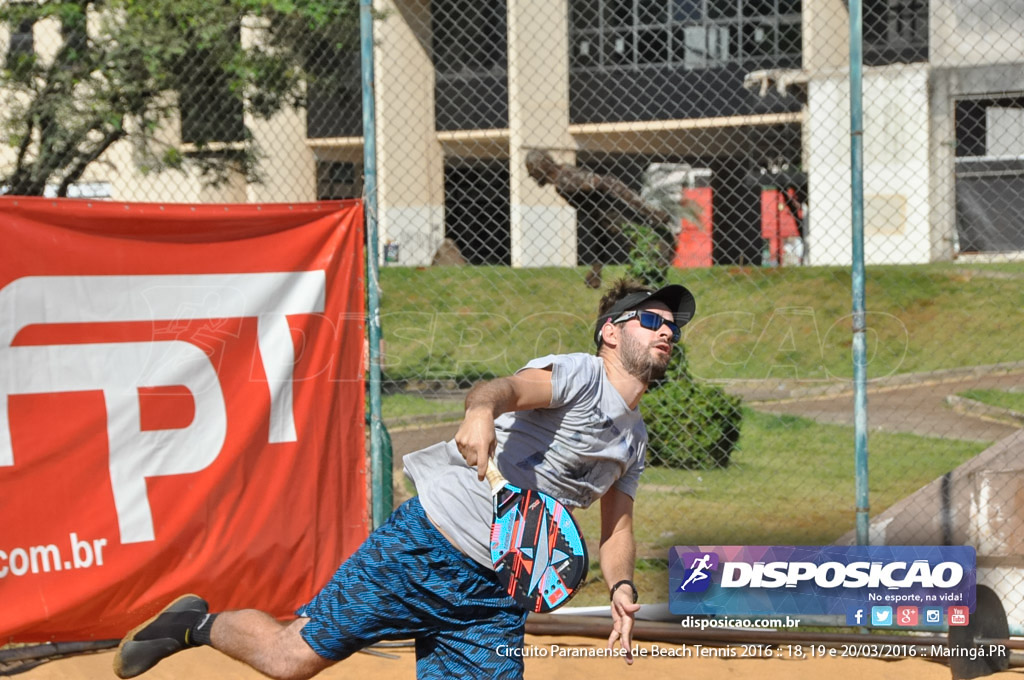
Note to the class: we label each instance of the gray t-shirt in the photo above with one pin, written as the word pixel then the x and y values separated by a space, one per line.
pixel 585 442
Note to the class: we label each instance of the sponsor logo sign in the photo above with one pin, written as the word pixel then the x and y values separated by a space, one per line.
pixel 851 580
pixel 181 408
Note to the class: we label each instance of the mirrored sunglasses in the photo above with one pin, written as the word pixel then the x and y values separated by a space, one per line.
pixel 651 321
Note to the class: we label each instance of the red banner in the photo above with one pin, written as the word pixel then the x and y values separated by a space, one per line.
pixel 181 408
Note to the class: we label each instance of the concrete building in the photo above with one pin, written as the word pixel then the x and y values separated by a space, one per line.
pixel 943 134
pixel 465 90
pixel 287 168
pixel 754 91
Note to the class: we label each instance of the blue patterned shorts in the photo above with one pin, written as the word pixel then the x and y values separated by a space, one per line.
pixel 408 581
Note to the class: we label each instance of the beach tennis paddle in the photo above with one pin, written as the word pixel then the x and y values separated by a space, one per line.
pixel 537 548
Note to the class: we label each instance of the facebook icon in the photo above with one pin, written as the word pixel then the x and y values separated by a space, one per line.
pixel 855 616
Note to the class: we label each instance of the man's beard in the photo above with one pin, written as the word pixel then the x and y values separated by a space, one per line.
pixel 637 360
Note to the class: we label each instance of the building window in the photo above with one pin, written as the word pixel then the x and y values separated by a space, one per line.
pixel 989 173
pixel 22 43
pixel 469 38
pixel 895 31
pixel 73 29
pixel 470 55
pixel 335 92
pixel 683 34
pixel 210 110
pixel 337 181
pixel 476 210
pixel 990 127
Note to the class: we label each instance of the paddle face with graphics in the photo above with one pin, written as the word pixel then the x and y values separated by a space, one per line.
pixel 536 546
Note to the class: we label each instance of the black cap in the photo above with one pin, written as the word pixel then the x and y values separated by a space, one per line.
pixel 678 299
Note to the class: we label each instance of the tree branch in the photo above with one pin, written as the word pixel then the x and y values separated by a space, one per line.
pixel 26 141
pixel 79 166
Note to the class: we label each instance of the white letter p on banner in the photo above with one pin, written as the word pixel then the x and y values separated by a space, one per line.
pixel 120 369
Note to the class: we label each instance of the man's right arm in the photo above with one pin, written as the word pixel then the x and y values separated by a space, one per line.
pixel 527 389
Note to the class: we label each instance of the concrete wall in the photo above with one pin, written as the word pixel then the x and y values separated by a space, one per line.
pixel 896 167
pixel 543 225
pixel 410 162
pixel 981 504
pixel 825 34
pixel 946 86
pixel 288 169
pixel 976 33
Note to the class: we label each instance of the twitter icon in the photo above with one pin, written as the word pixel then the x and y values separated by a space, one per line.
pixel 881 616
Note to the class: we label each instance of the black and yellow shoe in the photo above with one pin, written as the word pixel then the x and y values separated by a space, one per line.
pixel 159 637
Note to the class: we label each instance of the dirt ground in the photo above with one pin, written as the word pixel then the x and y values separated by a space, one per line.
pixel 563 657
pixel 917 408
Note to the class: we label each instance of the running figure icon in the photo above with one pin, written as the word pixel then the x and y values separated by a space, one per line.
pixel 698 570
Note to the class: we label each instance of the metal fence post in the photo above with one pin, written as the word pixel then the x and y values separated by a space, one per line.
pixel 380 459
pixel 857 269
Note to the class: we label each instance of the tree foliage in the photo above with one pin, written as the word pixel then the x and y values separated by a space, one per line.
pixel 650 254
pixel 690 424
pixel 129 69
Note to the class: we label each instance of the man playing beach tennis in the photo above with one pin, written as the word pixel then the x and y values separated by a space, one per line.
pixel 565 425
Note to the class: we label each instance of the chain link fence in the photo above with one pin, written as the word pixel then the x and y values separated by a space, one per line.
pixel 531 152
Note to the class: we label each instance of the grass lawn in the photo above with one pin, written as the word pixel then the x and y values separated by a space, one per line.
pixel 791 483
pixel 462 323
pixel 394 406
pixel 1002 399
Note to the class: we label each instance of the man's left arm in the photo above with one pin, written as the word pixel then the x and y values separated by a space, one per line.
pixel 618 558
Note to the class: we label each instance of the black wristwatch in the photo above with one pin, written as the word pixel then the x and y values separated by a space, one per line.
pixel 623 582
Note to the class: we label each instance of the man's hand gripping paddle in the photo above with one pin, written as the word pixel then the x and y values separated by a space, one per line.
pixel 536 546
